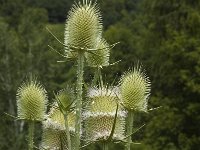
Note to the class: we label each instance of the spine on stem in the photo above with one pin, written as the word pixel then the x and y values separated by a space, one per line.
pixel 31 135
pixel 79 99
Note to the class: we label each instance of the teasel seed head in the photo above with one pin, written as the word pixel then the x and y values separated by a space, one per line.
pixel 100 57
pixel 99 115
pixel 135 90
pixel 31 101
pixel 66 98
pixel 83 26
pixel 55 119
pixel 53 139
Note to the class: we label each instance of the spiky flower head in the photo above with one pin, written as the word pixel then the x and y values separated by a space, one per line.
pixel 31 101
pixel 83 26
pixel 99 115
pixel 66 98
pixel 55 119
pixel 135 90
pixel 99 57
pixel 53 139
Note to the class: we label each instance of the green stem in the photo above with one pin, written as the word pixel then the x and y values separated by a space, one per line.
pixel 129 129
pixel 105 145
pixel 30 135
pixel 79 99
pixel 67 132
pixel 95 80
pixel 100 76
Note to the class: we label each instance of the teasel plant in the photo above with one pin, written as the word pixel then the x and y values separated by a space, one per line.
pixel 135 90
pixel 31 105
pixel 106 113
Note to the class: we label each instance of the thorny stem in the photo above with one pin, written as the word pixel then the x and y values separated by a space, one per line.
pixel 30 135
pixel 79 99
pixel 67 132
pixel 129 129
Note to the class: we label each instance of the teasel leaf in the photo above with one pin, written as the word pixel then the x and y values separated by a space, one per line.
pixel 31 101
pixel 99 115
pixel 135 90
pixel 100 57
pixel 83 27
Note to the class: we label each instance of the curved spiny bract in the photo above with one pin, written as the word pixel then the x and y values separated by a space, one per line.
pixel 135 90
pixel 99 115
pixel 31 101
pixel 83 27
pixel 99 57
pixel 55 119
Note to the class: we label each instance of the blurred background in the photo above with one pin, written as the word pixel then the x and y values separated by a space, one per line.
pixel 163 34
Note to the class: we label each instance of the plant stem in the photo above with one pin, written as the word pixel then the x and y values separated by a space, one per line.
pixel 100 76
pixel 95 80
pixel 79 99
pixel 67 132
pixel 105 145
pixel 129 129
pixel 30 135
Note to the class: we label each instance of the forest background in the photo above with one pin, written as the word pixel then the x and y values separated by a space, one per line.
pixel 162 34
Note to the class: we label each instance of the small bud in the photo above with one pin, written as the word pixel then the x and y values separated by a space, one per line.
pixel 99 57
pixel 66 98
pixel 135 90
pixel 31 101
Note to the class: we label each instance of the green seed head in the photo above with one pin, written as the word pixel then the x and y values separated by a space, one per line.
pixel 65 97
pixel 99 115
pixel 83 26
pixel 100 57
pixel 31 101
pixel 55 119
pixel 135 90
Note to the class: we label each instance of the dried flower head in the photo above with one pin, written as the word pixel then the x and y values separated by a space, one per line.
pixel 83 26
pixel 31 101
pixel 135 90
pixel 99 115
pixel 99 57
